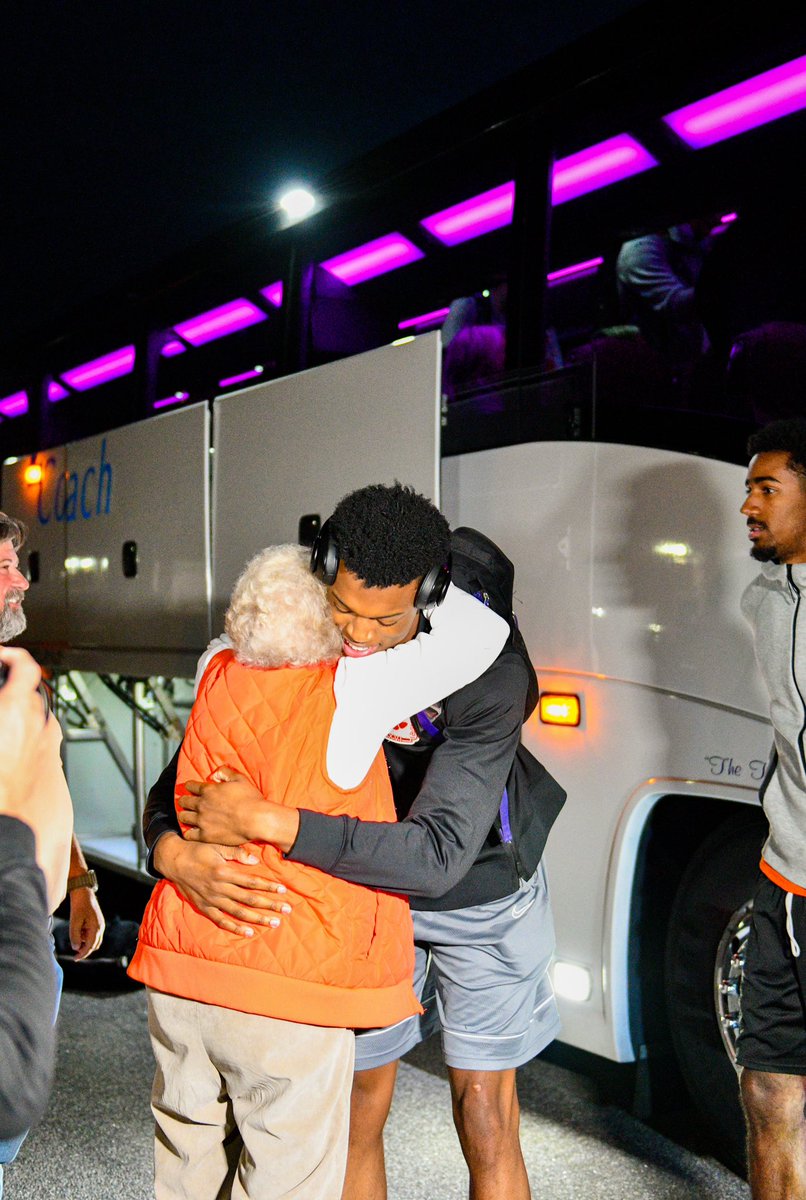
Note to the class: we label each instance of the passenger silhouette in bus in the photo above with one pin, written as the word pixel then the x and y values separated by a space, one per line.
pixel 752 299
pixel 474 339
pixel 656 276
pixel 754 272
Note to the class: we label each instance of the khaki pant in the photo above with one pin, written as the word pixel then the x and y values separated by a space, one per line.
pixel 247 1107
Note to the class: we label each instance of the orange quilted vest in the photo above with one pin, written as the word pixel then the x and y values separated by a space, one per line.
pixel 345 955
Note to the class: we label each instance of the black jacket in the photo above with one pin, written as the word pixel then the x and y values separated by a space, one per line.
pixel 450 848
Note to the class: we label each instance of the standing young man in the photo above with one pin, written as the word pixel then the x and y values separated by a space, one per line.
pixel 474 807
pixel 772 1043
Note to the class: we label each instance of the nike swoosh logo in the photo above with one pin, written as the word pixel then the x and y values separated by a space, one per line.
pixel 518 911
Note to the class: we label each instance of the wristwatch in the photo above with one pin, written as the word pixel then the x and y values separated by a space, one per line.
pixel 87 880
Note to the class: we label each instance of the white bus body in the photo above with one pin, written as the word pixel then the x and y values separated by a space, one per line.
pixel 629 566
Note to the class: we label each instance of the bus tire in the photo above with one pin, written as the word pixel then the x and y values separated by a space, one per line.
pixel 717 884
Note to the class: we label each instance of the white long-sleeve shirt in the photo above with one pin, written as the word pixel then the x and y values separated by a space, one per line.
pixel 374 693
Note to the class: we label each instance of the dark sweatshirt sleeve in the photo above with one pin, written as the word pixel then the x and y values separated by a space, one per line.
pixel 159 816
pixel 27 983
pixel 429 851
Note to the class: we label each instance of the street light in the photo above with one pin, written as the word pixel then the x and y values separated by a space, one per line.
pixel 297 203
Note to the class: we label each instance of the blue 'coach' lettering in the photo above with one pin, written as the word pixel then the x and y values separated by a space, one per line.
pixel 104 476
pixel 72 496
pixel 86 512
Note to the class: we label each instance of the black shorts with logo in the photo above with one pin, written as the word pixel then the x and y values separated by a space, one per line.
pixel 773 1029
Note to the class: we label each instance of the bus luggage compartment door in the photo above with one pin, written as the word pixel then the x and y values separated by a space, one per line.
pixel 137 563
pixel 295 446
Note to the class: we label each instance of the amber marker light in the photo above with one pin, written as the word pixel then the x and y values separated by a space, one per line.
pixel 32 473
pixel 560 708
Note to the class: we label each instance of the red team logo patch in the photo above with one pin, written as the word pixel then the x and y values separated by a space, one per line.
pixel 404 734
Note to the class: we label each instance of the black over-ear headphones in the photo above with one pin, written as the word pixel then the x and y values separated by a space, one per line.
pixel 325 564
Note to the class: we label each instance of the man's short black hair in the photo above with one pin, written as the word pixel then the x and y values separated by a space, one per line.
pixel 784 437
pixel 389 536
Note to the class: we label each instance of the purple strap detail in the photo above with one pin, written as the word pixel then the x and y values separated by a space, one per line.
pixel 428 725
pixel 503 813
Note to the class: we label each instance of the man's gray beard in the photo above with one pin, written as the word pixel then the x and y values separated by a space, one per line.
pixel 12 623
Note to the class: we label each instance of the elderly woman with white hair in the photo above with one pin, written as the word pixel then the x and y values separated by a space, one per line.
pixel 253 1035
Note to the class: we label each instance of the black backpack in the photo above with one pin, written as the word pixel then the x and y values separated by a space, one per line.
pixel 481 568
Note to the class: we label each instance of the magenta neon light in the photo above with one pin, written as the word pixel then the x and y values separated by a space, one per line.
pixel 172 348
pixel 240 378
pixel 598 166
pixel 728 218
pixel 429 318
pixel 219 322
pixel 274 293
pixel 373 258
pixel 756 101
pixel 589 267
pixel 177 398
pixel 100 370
pixel 56 391
pixel 471 218
pixel 15 405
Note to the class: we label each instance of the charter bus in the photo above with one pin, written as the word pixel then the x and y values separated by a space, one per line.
pixel 472 310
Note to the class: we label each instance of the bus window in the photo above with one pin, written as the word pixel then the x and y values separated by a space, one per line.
pixel 461 289
pixel 227 346
pixel 431 250
pixel 474 339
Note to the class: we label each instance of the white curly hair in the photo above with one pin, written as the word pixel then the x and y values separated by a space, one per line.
pixel 279 615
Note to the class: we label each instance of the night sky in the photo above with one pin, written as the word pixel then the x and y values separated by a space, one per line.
pixel 133 128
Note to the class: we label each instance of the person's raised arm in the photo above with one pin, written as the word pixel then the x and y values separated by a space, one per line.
pixel 428 852
pixel 374 693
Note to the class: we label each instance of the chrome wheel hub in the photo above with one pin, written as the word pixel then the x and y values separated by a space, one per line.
pixel 728 972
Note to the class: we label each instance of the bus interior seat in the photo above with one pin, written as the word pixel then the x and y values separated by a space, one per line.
pixel 766 372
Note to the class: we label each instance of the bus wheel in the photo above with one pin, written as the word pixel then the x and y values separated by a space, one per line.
pixel 705 947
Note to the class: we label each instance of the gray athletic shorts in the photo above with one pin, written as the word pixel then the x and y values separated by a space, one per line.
pixel 481 975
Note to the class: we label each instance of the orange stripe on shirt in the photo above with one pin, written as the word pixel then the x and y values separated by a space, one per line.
pixel 780 880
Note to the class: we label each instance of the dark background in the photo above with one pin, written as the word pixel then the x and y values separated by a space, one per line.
pixel 131 129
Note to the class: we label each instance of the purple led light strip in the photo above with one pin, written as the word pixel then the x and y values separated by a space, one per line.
pixel 177 398
pixel 598 166
pixel 219 322
pixel 756 101
pixel 595 167
pixel 471 218
pixel 100 370
pixel 56 391
pixel 373 258
pixel 429 318
pixel 172 348
pixel 589 267
pixel 274 293
pixel 14 405
pixel 232 379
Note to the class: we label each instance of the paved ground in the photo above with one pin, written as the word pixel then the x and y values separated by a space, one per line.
pixel 95 1144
